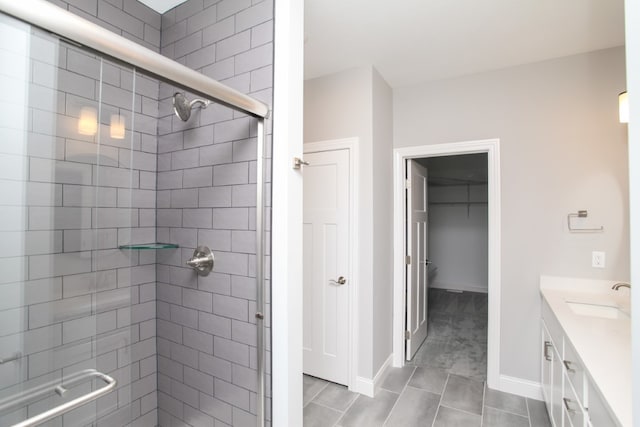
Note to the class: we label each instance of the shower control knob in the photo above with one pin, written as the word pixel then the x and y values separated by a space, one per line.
pixel 202 260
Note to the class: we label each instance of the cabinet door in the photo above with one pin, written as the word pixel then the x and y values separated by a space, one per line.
pixel 572 405
pixel 599 415
pixel 567 419
pixel 547 350
pixel 556 388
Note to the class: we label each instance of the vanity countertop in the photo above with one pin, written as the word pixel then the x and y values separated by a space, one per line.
pixel 603 344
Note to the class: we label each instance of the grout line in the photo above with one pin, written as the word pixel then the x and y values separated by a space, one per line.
pixel 526 401
pixel 347 409
pixel 440 402
pixel 326 406
pixel 316 395
pixel 399 395
pixel 509 412
pixel 461 410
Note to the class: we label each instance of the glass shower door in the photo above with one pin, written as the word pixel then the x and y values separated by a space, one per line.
pixel 66 336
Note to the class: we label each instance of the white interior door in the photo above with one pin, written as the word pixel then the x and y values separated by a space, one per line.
pixel 417 277
pixel 325 265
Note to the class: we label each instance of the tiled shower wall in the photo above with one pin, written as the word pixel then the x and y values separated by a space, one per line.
pixel 206 329
pixel 206 360
pixel 71 300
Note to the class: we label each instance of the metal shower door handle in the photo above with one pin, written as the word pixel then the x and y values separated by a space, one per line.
pixel 59 387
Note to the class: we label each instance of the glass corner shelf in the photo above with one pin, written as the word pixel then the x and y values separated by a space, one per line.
pixel 144 246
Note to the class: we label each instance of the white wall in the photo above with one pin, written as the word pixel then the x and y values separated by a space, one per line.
pixel 458 238
pixel 562 150
pixel 357 103
pixel 286 247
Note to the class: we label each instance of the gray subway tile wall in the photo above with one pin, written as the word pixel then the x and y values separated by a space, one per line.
pixel 69 299
pixel 206 196
pixel 183 349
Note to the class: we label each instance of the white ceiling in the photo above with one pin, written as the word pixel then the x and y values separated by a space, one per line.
pixel 162 5
pixel 409 41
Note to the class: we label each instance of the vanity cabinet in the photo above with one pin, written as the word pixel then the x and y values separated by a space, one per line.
pixel 552 373
pixel 569 395
pixel 547 368
pixel 598 412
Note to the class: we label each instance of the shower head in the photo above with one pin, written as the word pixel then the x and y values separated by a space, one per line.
pixel 183 107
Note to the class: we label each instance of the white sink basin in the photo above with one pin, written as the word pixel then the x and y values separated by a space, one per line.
pixel 597 310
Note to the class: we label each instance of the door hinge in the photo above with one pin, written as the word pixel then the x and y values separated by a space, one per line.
pixel 407 259
pixel 407 184
pixel 407 335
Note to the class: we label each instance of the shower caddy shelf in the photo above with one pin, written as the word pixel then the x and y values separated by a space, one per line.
pixel 147 246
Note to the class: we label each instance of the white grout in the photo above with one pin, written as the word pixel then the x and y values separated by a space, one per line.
pixel 433 423
pixel 347 410
pixel 316 395
pixel 399 395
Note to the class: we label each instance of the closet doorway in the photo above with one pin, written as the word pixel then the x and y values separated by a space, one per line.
pixel 447 246
pixel 450 281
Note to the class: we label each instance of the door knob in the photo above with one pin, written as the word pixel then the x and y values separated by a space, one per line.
pixel 202 260
pixel 341 281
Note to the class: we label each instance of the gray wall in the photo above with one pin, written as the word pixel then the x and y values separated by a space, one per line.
pixel 356 103
pixel 70 299
pixel 382 116
pixel 206 196
pixel 562 149
pixel 458 239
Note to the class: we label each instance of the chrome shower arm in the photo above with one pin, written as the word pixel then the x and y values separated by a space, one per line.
pixel 204 103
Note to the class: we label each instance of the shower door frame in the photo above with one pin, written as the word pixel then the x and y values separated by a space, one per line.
pixel 49 17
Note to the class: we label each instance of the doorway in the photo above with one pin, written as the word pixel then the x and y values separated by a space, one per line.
pixel 490 149
pixel 447 244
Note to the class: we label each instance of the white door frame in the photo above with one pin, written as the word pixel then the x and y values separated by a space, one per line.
pixel 350 144
pixel 492 148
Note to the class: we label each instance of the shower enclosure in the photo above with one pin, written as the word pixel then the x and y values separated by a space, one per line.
pixel 104 195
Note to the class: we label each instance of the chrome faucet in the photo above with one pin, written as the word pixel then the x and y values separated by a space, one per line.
pixel 620 285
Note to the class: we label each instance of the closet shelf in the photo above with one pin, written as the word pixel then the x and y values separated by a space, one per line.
pixel 146 246
pixel 457 203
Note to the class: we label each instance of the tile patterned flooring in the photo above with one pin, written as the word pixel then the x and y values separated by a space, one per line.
pixel 443 386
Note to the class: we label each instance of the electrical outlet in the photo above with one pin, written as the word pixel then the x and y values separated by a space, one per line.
pixel 597 259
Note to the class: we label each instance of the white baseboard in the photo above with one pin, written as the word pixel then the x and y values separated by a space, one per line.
pixel 520 387
pixel 457 287
pixel 367 386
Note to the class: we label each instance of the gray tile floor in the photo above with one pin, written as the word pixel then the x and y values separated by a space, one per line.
pixel 444 385
pixel 419 396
